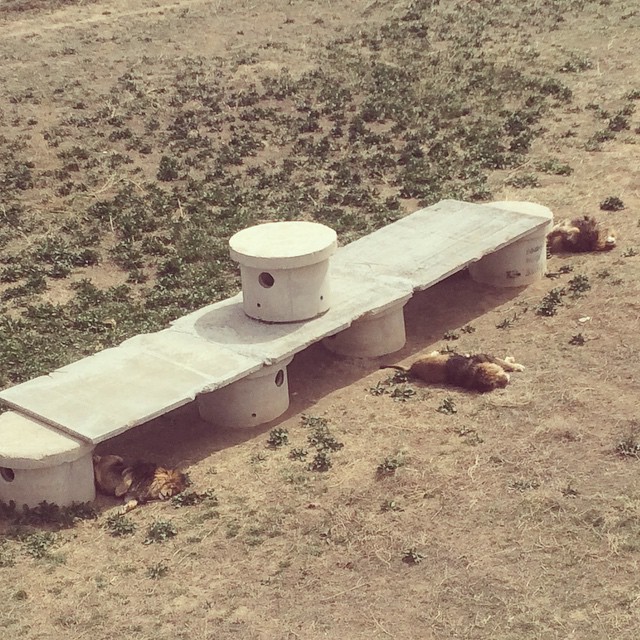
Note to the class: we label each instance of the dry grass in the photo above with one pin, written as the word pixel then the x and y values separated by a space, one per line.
pixel 517 517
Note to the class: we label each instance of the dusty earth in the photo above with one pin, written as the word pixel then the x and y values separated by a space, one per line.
pixel 517 516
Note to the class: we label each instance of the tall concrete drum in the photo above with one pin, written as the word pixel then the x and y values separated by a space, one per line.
pixel 284 268
pixel 523 262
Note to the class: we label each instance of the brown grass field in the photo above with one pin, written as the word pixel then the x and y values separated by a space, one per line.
pixel 514 516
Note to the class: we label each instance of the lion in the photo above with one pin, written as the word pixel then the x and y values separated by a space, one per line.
pixel 480 372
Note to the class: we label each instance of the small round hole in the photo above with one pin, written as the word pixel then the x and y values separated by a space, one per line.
pixel 321 297
pixel 280 378
pixel 7 474
pixel 258 305
pixel 266 280
pixel 254 415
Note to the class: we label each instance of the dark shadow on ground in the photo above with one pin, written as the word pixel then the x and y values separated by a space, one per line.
pixel 181 437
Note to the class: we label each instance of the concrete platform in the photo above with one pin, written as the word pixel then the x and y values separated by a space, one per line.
pixel 105 394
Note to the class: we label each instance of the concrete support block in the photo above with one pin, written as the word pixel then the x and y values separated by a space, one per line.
pixel 38 463
pixel 522 262
pixel 256 399
pixel 372 335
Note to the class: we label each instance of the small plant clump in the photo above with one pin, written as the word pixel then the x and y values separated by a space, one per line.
pixel 524 484
pixel 631 252
pixel 578 340
pixel 523 181
pixel 322 440
pixel 160 531
pixel 389 466
pixel 7 557
pixel 191 498
pixel 38 545
pixel 448 406
pixel 118 525
pixel 470 435
pixel 402 393
pixel 313 422
pixel 298 453
pixel 48 513
pixel 451 335
pixel 578 285
pixel 550 303
pixel 629 445
pixel 612 203
pixel 554 167
pixel 412 556
pixel 278 438
pixel 157 570
pixel 321 462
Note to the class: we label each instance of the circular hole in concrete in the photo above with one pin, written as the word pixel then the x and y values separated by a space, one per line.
pixel 258 305
pixel 266 280
pixel 7 474
pixel 254 415
pixel 321 297
pixel 280 378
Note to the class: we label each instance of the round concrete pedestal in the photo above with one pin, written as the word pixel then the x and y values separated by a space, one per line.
pixel 256 399
pixel 520 263
pixel 371 336
pixel 38 463
pixel 284 268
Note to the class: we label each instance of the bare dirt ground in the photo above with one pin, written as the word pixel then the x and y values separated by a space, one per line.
pixel 516 517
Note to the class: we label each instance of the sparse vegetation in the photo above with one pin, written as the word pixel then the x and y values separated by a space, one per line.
pixel 192 498
pixel 578 340
pixel 160 531
pixel 524 181
pixel 389 466
pixel 118 525
pixel 447 406
pixel 612 203
pixel 158 570
pixel 629 445
pixel 412 556
pixel 133 150
pixel 38 545
pixel 578 285
pixel 551 301
pixel 278 438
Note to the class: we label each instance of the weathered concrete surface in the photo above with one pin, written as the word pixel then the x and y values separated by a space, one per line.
pixel 283 245
pixel 353 296
pixel 28 443
pixel 105 394
pixel 436 242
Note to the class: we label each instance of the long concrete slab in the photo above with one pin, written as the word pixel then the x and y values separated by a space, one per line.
pixel 114 390
pixel 434 243
pixel 105 394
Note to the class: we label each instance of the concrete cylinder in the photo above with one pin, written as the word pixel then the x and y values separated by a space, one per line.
pixel 522 262
pixel 372 335
pixel 39 463
pixel 260 397
pixel 284 268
